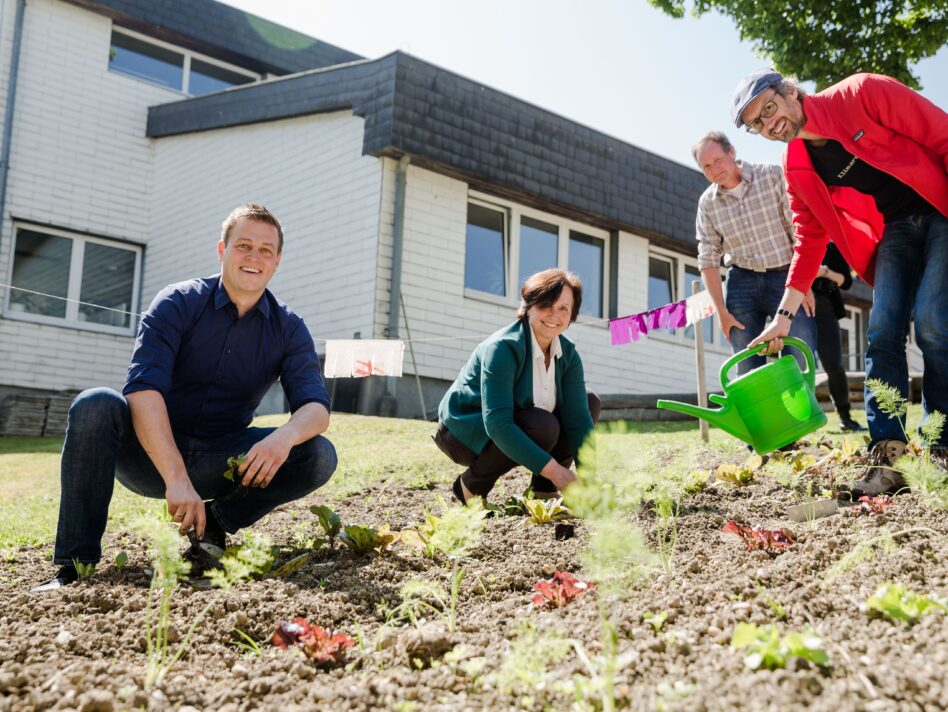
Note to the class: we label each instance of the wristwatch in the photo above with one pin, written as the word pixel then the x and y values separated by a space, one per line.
pixel 786 313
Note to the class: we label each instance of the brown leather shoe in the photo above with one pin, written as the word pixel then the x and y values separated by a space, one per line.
pixel 879 477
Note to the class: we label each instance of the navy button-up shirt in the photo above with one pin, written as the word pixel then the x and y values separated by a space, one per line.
pixel 212 368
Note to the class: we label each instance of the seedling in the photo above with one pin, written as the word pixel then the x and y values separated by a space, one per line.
pixel 315 642
pixel 292 566
pixel 246 643
pixel 656 620
pixel 418 598
pixel 779 611
pixel 545 511
pixel 121 559
pixel 772 541
pixel 362 539
pixel 526 669
pixel 696 481
pixel 232 472
pixel 513 506
pixel 894 601
pixel 736 475
pixel 560 590
pixel 329 521
pixel 84 570
pixel 872 505
pixel 769 651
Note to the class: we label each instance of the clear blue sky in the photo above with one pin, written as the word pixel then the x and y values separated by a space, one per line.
pixel 618 66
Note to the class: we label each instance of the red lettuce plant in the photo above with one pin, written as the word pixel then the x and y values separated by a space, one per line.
pixel 560 590
pixel 316 642
pixel 872 505
pixel 773 541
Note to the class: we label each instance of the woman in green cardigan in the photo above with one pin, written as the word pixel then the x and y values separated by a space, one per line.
pixel 521 398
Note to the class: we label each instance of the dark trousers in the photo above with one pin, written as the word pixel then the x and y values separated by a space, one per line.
pixel 829 347
pixel 484 469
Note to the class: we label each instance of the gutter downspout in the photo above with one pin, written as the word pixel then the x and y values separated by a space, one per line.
pixel 11 101
pixel 398 235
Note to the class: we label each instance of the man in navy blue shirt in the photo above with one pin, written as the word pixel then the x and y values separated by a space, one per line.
pixel 206 353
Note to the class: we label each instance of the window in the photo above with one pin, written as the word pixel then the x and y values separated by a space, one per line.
pixel 52 266
pixel 485 256
pixel 661 282
pixel 168 66
pixel 507 242
pixel 691 274
pixel 586 259
pixel 539 247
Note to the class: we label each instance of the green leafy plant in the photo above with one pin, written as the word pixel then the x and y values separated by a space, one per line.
pixel 84 570
pixel 545 511
pixel 696 481
pixel 362 540
pixel 768 650
pixel 926 478
pixel 163 541
pixel 895 405
pixel 894 601
pixel 667 509
pixel 419 600
pixel 329 521
pixel 232 472
pixel 736 475
pixel 121 559
pixel 656 620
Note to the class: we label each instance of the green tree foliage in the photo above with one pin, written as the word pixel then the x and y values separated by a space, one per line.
pixel 826 40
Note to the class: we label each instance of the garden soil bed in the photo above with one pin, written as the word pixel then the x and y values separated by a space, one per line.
pixel 83 647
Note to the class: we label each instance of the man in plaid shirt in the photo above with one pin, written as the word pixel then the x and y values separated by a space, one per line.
pixel 744 218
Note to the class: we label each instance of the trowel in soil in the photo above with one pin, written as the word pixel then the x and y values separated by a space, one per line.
pixel 813 509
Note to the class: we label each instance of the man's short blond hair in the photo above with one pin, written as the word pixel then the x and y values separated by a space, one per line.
pixel 250 211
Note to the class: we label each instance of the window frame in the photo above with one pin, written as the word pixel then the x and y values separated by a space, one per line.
pixel 74 283
pixel 514 212
pixel 683 291
pixel 186 66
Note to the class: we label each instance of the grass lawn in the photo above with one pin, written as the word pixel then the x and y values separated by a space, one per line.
pixel 370 450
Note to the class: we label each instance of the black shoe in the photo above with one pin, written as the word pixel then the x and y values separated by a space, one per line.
pixel 205 553
pixel 67 575
pixel 848 425
pixel 458 492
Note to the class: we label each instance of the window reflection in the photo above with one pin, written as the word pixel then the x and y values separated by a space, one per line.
pixel 586 259
pixel 485 259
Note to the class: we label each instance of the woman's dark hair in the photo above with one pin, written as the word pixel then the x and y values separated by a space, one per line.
pixel 544 288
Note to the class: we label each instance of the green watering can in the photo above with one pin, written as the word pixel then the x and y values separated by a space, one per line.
pixel 768 407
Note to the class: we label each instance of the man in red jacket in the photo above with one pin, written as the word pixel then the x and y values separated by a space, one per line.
pixel 867 167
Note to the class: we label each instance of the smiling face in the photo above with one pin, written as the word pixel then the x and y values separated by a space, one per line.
pixel 549 322
pixel 786 122
pixel 719 165
pixel 249 259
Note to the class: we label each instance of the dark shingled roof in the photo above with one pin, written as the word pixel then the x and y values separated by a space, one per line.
pixel 224 32
pixel 496 142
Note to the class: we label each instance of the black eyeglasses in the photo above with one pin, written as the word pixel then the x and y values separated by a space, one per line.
pixel 757 125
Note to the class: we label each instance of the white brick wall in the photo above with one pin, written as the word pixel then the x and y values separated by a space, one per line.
pixel 311 173
pixel 79 160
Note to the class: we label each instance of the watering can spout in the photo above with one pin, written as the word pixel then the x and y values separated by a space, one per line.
pixel 726 418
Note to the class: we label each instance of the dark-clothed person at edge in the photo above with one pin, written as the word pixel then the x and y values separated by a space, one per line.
pixel 521 398
pixel 207 352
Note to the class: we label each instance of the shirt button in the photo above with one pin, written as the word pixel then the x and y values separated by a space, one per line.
pixel 228 351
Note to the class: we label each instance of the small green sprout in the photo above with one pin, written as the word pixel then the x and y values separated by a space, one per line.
pixel 769 651
pixel 894 601
pixel 121 559
pixel 245 643
pixel 656 620
pixel 232 472
pixel 329 521
pixel 84 570
pixel 545 511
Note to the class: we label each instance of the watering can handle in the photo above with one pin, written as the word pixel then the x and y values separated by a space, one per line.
pixel 809 374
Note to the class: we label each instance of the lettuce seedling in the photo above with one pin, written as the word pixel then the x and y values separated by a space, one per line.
pixel 315 642
pixel 737 475
pixel 773 541
pixel 362 539
pixel 872 505
pixel 84 570
pixel 656 620
pixel 545 511
pixel 232 472
pixel 329 521
pixel 769 651
pixel 894 601
pixel 559 590
pixel 121 559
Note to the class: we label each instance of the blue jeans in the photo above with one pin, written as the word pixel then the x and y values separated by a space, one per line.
pixel 101 446
pixel 911 272
pixel 752 298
